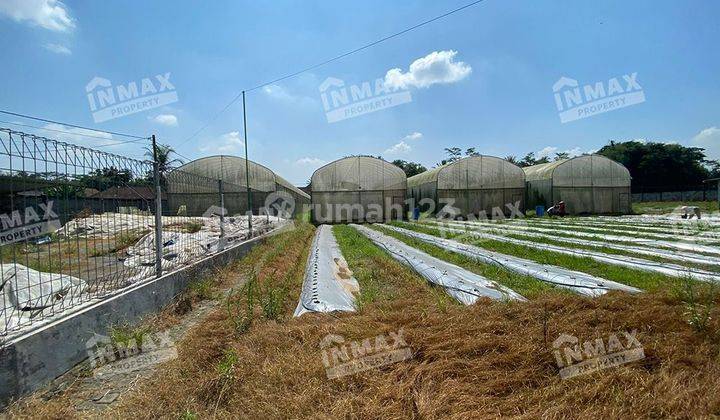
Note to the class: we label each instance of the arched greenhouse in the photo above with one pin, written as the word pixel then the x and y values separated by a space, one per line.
pixel 591 184
pixel 358 189
pixel 195 185
pixel 475 185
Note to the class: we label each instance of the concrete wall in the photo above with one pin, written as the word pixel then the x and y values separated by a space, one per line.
pixel 30 361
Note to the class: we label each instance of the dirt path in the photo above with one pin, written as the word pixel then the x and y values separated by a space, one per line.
pixel 91 390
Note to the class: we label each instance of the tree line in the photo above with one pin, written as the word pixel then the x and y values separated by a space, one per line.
pixel 652 165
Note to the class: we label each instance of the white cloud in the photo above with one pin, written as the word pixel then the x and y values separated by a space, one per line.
pixel 709 139
pixel 276 91
pixel 228 142
pixel 545 152
pixel 281 94
pixel 310 161
pixel 166 119
pixel 49 14
pixel 400 148
pixel 550 151
pixel 79 135
pixel 413 136
pixel 57 49
pixel 436 67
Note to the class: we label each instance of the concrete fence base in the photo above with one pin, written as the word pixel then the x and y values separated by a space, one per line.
pixel 710 195
pixel 31 361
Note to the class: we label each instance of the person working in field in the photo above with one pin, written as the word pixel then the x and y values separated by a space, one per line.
pixel 687 212
pixel 557 209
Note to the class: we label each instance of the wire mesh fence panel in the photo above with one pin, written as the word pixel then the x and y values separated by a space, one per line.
pixel 66 214
pixel 78 224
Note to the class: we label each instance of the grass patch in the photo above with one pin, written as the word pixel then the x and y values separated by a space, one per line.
pixel 611 251
pixel 664 207
pixel 636 278
pixel 527 286
pixel 121 241
pixel 380 277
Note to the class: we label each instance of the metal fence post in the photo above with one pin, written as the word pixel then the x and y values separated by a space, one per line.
pixel 222 209
pixel 247 171
pixel 158 211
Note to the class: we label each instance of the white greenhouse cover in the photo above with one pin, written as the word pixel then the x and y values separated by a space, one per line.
pixel 329 285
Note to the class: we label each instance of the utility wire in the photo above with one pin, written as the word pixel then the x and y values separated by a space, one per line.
pixel 314 66
pixel 72 125
pixel 72 134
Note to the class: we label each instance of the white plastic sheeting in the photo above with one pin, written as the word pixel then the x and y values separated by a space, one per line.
pixel 713 219
pixel 179 248
pixel 463 285
pixel 619 260
pixel 111 224
pixel 708 231
pixel 607 238
pixel 685 257
pixel 611 230
pixel 329 285
pixel 574 280
pixel 25 293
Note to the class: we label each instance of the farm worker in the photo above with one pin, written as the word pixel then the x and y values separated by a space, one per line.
pixel 689 211
pixel 557 209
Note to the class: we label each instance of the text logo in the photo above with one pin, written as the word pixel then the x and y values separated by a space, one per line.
pixel 17 226
pixel 575 102
pixel 342 102
pixel 343 358
pixel 575 359
pixel 108 102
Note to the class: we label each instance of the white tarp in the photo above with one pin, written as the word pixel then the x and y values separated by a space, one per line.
pixel 329 285
pixel 465 286
pixel 574 280
pixel 24 292
pixel 181 248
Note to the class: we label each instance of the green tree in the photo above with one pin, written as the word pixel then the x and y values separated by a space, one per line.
pixel 512 159
pixel 660 165
pixel 410 168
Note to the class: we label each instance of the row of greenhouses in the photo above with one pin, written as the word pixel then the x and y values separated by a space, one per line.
pixel 365 188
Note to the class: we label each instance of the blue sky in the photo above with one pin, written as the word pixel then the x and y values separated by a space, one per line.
pixel 489 84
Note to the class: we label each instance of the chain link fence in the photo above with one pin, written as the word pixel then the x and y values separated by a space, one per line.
pixel 78 224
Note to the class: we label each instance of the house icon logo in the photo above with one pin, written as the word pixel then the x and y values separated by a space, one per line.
pixel 331 82
pixel 564 82
pixel 97 82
